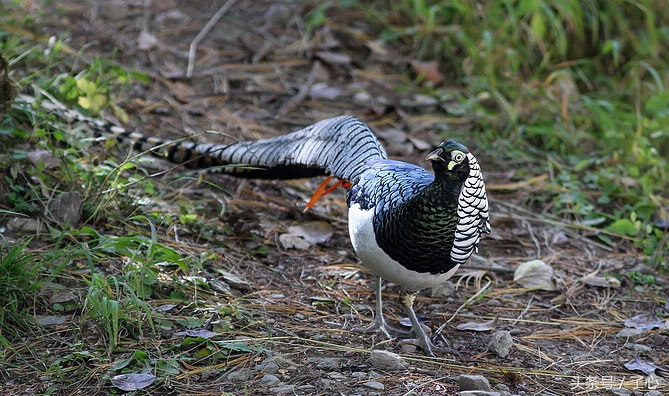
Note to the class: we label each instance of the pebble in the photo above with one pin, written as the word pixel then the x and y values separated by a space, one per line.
pixel 385 360
pixel 24 225
pixel 501 343
pixel 336 375
pixel 267 367
pixel 473 382
pixel 374 385
pixel 270 379
pixel 325 363
pixel 239 375
pixel 479 393
pixel 362 98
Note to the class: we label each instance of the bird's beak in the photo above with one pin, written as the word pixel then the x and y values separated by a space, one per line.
pixel 435 155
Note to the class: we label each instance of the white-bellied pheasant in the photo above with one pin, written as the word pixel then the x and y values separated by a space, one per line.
pixel 407 225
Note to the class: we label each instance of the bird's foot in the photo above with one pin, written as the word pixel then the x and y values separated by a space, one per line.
pixel 423 342
pixel 379 325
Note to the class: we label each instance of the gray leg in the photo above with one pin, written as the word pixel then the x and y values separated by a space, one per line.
pixel 379 324
pixel 421 340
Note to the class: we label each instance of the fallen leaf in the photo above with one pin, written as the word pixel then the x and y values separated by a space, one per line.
pixel 647 321
pixel 199 333
pixel 428 71
pixel 637 364
pixel 661 217
pixel 146 41
pixel 324 91
pixel 601 281
pixel 334 58
pixel 235 281
pixel 292 241
pixel 63 296
pixel 535 274
pixel 182 92
pixel 477 326
pixel 131 382
pixel 51 320
pixel 313 231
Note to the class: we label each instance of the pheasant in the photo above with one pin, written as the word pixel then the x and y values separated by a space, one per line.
pixel 407 225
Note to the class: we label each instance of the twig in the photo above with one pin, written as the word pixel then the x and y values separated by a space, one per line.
pixel 302 93
pixel 527 308
pixel 205 30
pixel 478 293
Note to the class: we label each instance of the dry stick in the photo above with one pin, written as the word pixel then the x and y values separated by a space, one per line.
pixel 478 293
pixel 302 93
pixel 205 30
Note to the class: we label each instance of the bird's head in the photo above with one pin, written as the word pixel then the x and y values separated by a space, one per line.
pixel 450 158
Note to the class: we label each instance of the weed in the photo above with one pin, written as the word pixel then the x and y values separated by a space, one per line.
pixel 18 283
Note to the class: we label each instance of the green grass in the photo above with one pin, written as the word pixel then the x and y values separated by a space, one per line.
pixel 576 90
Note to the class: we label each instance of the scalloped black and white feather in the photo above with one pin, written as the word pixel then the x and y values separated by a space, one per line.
pixel 338 146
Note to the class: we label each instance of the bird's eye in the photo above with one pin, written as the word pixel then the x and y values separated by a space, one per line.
pixel 458 156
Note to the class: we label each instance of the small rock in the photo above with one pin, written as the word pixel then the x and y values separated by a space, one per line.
pixel 282 390
pixel 473 382
pixel 66 208
pixel 239 375
pixel 443 290
pixel 23 225
pixel 374 385
pixel 270 380
pixel 479 393
pixel 501 343
pixel 630 334
pixel 618 391
pixel 51 320
pixel 362 98
pixel 267 367
pixel 44 157
pixel 385 360
pixel 325 363
pixel 335 375
pixel 408 347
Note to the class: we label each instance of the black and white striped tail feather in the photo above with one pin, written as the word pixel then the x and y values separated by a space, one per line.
pixel 338 146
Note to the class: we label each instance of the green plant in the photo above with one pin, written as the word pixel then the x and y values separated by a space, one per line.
pixel 18 283
pixel 579 83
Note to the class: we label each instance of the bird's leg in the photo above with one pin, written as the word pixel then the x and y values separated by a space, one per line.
pixel 379 324
pixel 421 340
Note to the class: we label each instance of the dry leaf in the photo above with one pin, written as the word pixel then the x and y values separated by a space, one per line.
pixel 474 326
pixel 131 382
pixel 312 231
pixel 637 364
pixel 428 71
pixel 535 274
pixel 647 321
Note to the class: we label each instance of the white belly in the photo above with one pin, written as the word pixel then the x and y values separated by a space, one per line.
pixel 361 230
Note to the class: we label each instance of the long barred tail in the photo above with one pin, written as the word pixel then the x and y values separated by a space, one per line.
pixel 339 146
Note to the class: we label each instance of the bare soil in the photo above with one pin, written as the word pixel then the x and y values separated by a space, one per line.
pixel 263 71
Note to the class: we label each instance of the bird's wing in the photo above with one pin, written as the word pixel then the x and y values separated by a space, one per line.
pixel 387 183
pixel 339 147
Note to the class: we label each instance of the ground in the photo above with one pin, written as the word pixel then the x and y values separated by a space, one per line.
pixel 261 71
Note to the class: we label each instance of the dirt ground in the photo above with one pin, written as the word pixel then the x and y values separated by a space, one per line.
pixel 262 71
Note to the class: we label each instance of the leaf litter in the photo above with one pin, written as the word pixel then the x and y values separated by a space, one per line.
pixel 559 333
